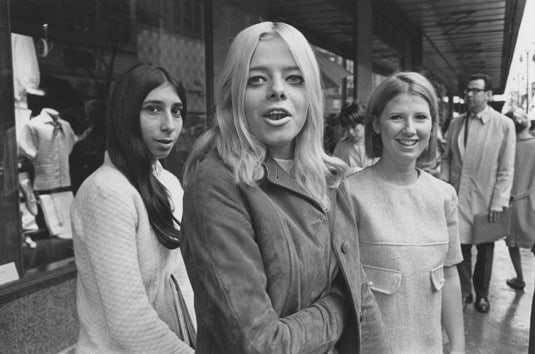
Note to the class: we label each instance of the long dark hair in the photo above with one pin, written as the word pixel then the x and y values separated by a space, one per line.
pixel 127 150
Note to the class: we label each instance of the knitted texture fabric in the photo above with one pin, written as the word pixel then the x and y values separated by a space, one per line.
pixel 122 268
pixel 407 234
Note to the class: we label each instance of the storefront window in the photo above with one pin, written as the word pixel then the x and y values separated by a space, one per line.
pixel 65 56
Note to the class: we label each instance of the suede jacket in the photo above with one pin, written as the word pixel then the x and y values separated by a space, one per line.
pixel 260 259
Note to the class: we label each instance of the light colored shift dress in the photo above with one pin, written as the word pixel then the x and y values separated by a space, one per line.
pixel 407 235
pixel 523 195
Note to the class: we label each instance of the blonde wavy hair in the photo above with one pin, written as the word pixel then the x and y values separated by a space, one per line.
pixel 231 136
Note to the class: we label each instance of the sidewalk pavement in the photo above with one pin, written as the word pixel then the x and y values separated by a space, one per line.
pixel 505 329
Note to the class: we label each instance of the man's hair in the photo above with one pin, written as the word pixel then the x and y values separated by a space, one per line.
pixel 484 77
pixel 352 114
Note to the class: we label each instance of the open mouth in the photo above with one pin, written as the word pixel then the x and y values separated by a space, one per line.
pixel 408 143
pixel 276 114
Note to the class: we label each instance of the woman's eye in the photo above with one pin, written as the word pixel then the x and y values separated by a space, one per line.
pixel 422 117
pixel 295 79
pixel 153 109
pixel 256 80
pixel 396 117
pixel 177 112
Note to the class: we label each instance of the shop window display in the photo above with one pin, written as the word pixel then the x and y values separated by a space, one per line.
pixel 65 57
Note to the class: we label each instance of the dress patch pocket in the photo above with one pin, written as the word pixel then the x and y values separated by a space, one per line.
pixel 437 277
pixel 382 280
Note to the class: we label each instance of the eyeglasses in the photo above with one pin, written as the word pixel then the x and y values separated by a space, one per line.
pixel 473 91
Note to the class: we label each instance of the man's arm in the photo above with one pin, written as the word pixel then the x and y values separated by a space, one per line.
pixel 504 178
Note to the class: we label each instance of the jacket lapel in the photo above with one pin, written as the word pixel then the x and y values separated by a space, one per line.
pixel 276 175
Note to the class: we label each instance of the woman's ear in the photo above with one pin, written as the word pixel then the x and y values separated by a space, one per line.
pixel 376 125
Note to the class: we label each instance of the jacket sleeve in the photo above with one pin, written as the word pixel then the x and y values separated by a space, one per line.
pixel 105 222
pixel 373 336
pixel 506 164
pixel 226 269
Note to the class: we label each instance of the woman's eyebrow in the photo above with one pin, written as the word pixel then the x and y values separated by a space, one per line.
pixel 162 102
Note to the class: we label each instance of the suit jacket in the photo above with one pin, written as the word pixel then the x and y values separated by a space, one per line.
pixel 258 258
pixel 484 175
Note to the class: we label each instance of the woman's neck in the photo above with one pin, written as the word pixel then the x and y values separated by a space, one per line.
pixel 396 172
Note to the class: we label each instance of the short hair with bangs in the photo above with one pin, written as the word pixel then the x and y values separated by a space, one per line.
pixel 401 83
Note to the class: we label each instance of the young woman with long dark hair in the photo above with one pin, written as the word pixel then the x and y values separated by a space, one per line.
pixel 126 225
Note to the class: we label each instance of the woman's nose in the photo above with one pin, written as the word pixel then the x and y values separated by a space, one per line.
pixel 277 90
pixel 168 121
pixel 409 127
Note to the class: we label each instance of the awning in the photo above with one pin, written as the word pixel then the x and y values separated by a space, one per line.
pixel 332 73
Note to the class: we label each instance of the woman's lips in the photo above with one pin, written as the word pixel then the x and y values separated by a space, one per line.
pixel 275 114
pixel 407 142
pixel 164 141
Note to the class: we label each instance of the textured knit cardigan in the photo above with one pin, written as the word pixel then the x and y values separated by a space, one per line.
pixel 123 271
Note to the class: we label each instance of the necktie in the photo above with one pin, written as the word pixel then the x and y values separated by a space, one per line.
pixel 466 121
pixel 57 127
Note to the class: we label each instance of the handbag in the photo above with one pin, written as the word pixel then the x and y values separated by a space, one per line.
pixel 486 231
pixel 185 324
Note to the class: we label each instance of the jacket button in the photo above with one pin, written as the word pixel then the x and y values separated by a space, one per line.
pixel 370 283
pixel 345 247
pixel 361 317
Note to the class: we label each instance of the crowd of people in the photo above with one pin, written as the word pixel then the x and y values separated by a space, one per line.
pixel 275 245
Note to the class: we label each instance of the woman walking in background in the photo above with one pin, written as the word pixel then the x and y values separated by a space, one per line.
pixel 522 197
pixel 267 215
pixel 126 226
pixel 407 220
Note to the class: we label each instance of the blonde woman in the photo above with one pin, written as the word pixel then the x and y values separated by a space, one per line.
pixel 266 214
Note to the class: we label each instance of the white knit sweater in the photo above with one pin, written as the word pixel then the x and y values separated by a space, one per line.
pixel 123 271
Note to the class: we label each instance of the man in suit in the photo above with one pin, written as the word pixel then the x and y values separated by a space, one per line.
pixel 478 161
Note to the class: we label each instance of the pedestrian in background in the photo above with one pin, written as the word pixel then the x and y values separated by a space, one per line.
pixel 267 218
pixel 332 133
pixel 522 197
pixel 126 226
pixel 407 220
pixel 351 148
pixel 479 162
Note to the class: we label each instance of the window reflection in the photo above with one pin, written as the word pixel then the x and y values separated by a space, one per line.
pixel 66 56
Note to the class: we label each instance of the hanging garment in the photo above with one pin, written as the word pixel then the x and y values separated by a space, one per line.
pixel 26 76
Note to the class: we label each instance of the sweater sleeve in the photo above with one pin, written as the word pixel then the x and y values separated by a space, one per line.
pixel 106 221
pixel 226 268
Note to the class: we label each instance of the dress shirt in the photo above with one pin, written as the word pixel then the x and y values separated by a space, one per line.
pixel 48 143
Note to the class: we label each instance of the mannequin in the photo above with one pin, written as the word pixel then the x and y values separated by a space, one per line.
pixel 47 140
